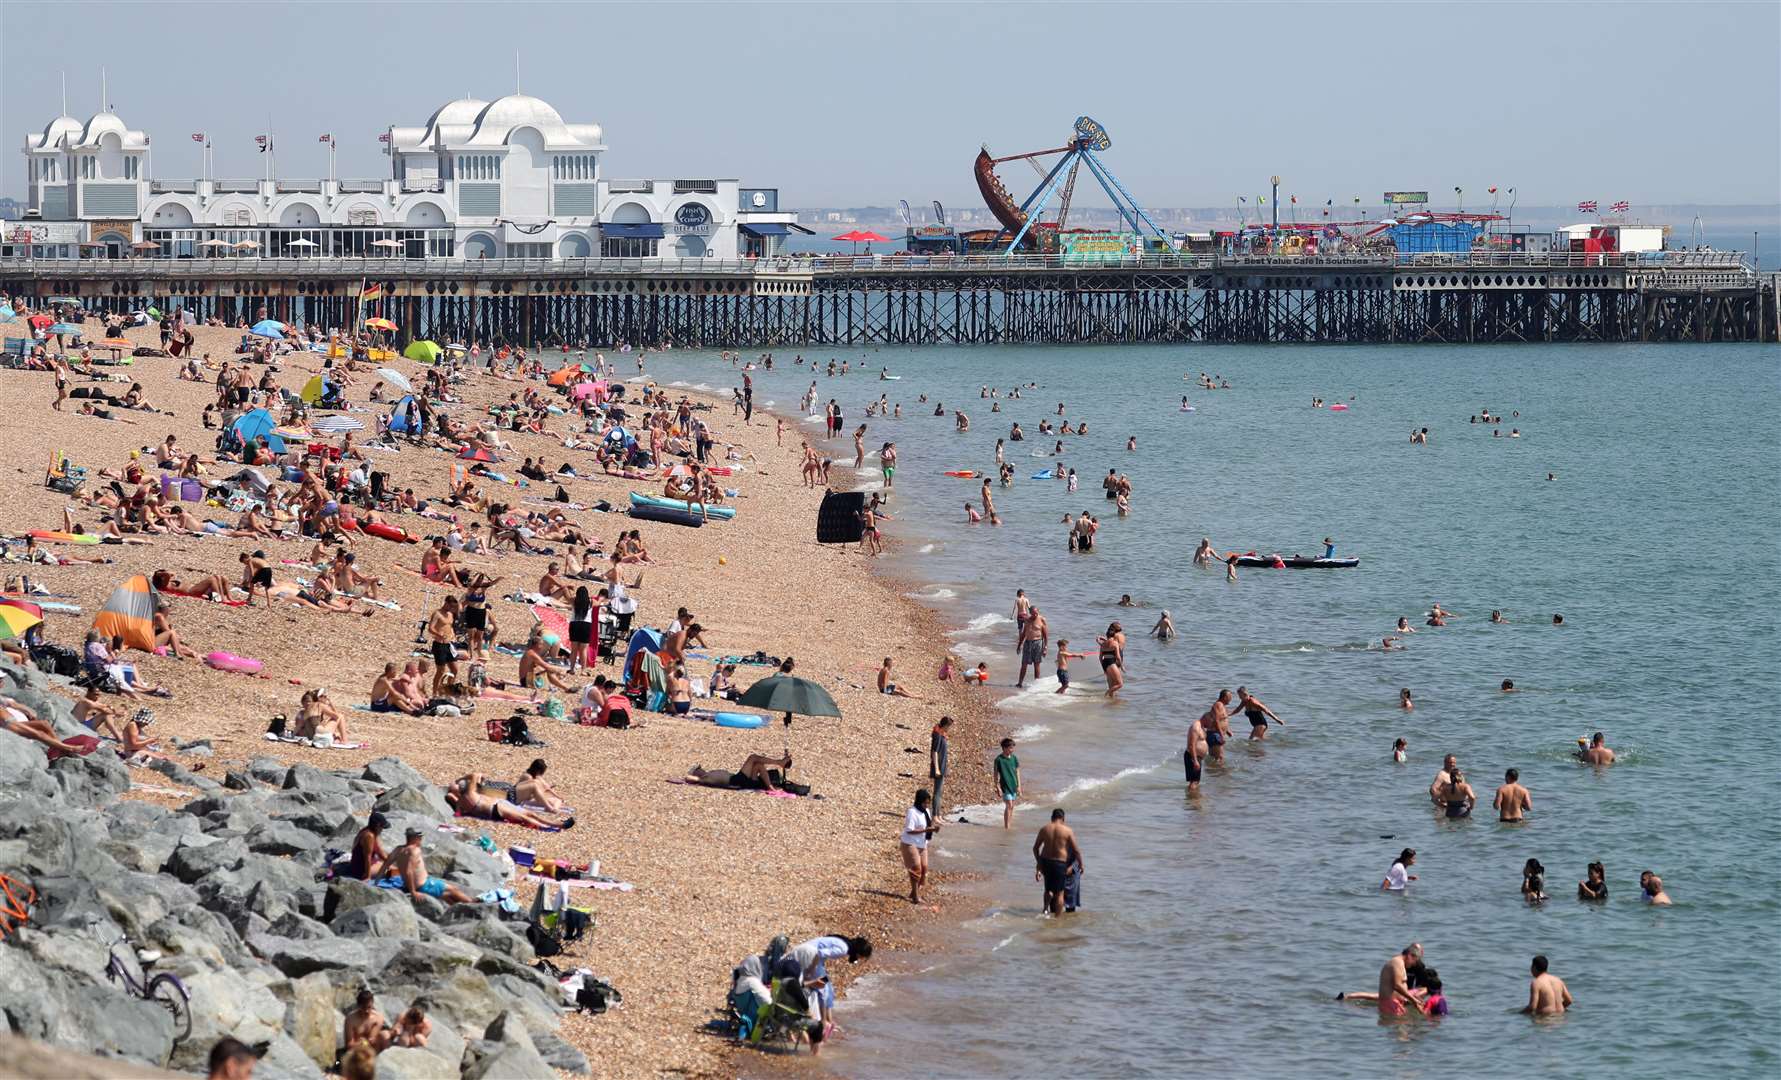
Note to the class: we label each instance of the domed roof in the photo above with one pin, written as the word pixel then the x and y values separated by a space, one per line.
pixel 100 124
pixel 62 127
pixel 502 116
pixel 462 111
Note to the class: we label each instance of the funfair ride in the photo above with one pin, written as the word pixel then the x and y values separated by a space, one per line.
pixel 1020 219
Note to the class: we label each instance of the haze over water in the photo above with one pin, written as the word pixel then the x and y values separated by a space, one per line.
pixel 1217 930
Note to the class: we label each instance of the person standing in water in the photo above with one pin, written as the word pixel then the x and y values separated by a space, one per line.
pixel 1035 636
pixel 1056 853
pixel 1257 713
pixel 1194 756
pixel 1395 997
pixel 1512 800
pixel 1547 994
pixel 1007 770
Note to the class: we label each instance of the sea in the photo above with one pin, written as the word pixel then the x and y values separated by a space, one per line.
pixel 1640 500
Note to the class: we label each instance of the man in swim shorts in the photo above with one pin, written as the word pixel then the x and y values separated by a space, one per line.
pixel 1055 853
pixel 1217 723
pixel 1194 756
pixel 405 869
pixel 1394 983
pixel 1034 636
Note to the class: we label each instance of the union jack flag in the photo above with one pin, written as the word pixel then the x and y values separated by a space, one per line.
pixel 1620 207
pixel 197 136
pixel 329 139
pixel 1587 207
pixel 385 137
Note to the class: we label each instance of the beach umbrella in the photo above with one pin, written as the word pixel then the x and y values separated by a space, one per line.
pixel 386 243
pixel 314 390
pixel 563 375
pixel 14 621
pixel 789 694
pixel 424 351
pixel 213 243
pixel 25 605
pixel 129 614
pixel 301 242
pixel 64 328
pixel 267 328
pixel 145 245
pixel 380 324
pixel 246 245
pixel 396 379
pixel 256 423
pixel 858 236
pixel 38 322
pixel 335 425
pixel 6 312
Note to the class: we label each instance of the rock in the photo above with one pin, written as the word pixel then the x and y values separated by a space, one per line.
pixel 463 998
pixel 510 1029
pixel 135 899
pixel 285 1060
pixel 261 884
pixel 378 921
pixel 322 814
pixel 97 1019
pixel 470 867
pixel 558 1054
pixel 302 777
pixel 311 1019
pixel 199 856
pixel 268 770
pixel 195 747
pixel 24 768
pixel 235 780
pixel 67 951
pixel 179 774
pixel 510 1062
pixel 93 780
pixel 408 1063
pixel 225 1003
pixel 426 800
pixel 349 894
pixel 390 772
pixel 446 1044
pixel 298 957
pixel 282 838
pixel 294 925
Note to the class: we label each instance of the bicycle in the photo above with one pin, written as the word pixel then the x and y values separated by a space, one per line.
pixel 164 989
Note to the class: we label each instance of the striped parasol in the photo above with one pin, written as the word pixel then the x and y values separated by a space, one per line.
pixel 334 425
pixel 129 613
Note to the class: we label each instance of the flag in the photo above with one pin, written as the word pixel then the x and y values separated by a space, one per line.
pixel 329 139
pixel 385 137
pixel 1243 200
pixel 1588 206
pixel 1295 200
pixel 197 136
pixel 373 291
pixel 1261 200
pixel 265 141
pixel 1492 189
pixel 1620 207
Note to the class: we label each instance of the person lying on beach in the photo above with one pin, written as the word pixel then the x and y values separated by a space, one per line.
pixel 753 774
pixel 17 717
pixel 466 797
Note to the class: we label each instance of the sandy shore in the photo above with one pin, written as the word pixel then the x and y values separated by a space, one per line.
pixel 717 873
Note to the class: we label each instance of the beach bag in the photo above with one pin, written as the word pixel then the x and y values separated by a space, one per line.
pixel 497 730
pixel 277 726
pixel 518 733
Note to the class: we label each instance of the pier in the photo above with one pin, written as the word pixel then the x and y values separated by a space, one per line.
pixel 898 299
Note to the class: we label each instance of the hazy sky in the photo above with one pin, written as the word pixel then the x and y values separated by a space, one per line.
pixel 854 103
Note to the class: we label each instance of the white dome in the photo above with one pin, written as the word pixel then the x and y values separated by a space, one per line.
pixel 101 124
pixel 62 127
pixel 453 122
pixel 502 117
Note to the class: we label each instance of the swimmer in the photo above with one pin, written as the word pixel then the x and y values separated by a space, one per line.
pixel 1652 890
pixel 1557 619
pixel 1404 626
pixel 1595 885
pixel 1597 752
pixel 1131 443
pixel 1394 983
pixel 1508 686
pixel 1547 994
pixel 1256 713
pixel 1439 784
pixel 1512 799
pixel 1400 752
pixel 1125 600
pixel 1398 878
pixel 1390 644
pixel 1458 798
pixel 1496 616
pixel 1164 630
pixel 1533 882
pixel 1404 701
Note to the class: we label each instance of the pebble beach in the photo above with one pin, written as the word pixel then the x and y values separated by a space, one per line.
pixel 715 873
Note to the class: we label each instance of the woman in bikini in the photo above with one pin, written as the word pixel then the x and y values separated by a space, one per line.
pixel 476 613
pixel 466 797
pixel 1113 657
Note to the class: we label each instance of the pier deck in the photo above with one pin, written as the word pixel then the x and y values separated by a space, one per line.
pixel 902 299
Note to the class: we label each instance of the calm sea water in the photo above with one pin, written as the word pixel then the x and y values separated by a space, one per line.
pixel 1218 929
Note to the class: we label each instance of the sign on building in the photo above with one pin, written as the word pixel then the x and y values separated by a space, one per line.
pixel 1405 198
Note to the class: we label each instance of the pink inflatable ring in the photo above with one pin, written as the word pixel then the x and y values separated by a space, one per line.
pixel 225 661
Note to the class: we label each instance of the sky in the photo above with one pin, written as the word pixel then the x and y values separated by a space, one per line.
pixel 847 104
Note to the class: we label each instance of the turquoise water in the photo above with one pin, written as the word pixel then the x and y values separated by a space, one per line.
pixel 1217 929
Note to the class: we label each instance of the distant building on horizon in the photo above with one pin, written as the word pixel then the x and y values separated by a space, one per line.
pixel 479 180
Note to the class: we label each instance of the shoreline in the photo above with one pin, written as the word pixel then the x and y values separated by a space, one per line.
pixel 717 873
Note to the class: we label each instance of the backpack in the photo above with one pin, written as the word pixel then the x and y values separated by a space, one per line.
pixel 545 941
pixel 517 734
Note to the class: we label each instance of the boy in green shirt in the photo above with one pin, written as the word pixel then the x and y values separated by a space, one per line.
pixel 1008 781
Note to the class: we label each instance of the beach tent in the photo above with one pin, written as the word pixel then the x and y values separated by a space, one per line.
pixel 564 375
pixel 838 518
pixel 38 322
pixel 6 312
pixel 424 351
pixel 129 614
pixel 399 416
pixel 256 423
pixel 316 389
pixel 472 453
pixel 642 640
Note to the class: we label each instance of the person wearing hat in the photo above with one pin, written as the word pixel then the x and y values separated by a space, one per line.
pixel 406 869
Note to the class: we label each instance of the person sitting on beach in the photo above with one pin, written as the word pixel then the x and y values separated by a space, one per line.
pixel 723 683
pixel 755 772
pixel 317 717
pixel 367 849
pixel 466 797
pixel 534 790
pixel 405 869
pixel 886 686
pixel 96 715
pixel 138 748
pixel 412 1028
pixel 535 671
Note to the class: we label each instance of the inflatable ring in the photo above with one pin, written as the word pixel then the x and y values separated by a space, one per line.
pixel 962 474
pixel 741 720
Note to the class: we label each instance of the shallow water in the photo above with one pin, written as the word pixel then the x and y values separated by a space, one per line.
pixel 1216 930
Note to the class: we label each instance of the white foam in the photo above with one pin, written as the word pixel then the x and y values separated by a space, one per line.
pixel 1042 693
pixel 997 947
pixel 947 853
pixel 1087 783
pixel 924 549
pixel 972 653
pixel 936 593
pixel 680 382
pixel 1029 732
pixel 698 386
pixel 982 624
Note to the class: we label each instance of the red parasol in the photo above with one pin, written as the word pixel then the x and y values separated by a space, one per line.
pixel 859 237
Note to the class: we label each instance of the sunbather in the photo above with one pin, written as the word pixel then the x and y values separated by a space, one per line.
pixel 466 797
pixel 754 773
pixel 534 790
